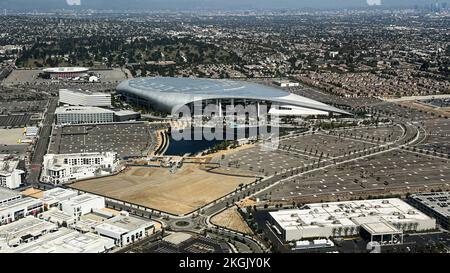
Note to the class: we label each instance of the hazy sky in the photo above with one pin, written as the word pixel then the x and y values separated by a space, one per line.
pixel 200 4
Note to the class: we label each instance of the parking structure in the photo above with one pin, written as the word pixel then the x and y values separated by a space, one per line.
pixel 127 139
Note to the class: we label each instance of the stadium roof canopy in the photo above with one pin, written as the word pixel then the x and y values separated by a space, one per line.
pixel 166 94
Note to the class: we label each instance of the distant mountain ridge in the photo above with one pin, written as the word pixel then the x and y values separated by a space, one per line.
pixel 119 5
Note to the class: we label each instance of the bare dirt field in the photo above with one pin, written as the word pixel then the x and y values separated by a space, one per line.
pixel 10 136
pixel 179 193
pixel 32 192
pixel 231 219
pixel 420 106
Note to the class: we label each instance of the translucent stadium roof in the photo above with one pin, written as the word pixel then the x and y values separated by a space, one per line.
pixel 192 86
pixel 166 93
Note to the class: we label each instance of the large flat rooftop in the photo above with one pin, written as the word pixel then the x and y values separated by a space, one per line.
pixel 6 194
pixel 26 227
pixel 22 202
pixel 349 213
pixel 437 201
pixel 66 241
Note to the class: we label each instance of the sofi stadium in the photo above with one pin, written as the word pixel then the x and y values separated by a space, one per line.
pixel 170 94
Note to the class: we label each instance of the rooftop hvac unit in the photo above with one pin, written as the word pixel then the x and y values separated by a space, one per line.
pixel 385 202
pixel 401 216
pixel 325 206
pixel 411 212
pixel 396 213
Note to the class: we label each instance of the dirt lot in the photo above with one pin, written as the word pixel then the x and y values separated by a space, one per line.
pixel 420 106
pixel 179 193
pixel 230 218
pixel 10 136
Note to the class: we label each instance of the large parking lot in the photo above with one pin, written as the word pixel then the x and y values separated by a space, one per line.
pixel 26 76
pixel 371 134
pixel 258 161
pixel 127 139
pixel 396 169
pixel 325 145
pixel 299 151
pixel 438 136
pixel 16 121
pixel 35 106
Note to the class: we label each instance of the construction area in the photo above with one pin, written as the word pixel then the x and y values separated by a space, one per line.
pixel 231 219
pixel 177 192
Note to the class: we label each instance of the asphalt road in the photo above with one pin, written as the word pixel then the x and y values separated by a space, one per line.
pixel 42 144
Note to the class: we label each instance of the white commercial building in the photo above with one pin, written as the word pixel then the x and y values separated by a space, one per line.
pixel 84 98
pixel 58 217
pixel 31 131
pixel 24 231
pixel 15 209
pixel 53 197
pixel 124 229
pixel 83 115
pixel 64 168
pixel 82 204
pixel 10 176
pixel 66 241
pixel 340 219
pixel 7 195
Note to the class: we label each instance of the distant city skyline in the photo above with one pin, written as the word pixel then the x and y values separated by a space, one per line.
pixel 147 5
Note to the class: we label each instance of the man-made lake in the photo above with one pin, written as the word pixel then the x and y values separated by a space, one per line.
pixel 190 146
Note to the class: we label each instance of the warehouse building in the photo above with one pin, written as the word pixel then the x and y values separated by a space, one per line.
pixel 65 168
pixel 382 220
pixel 24 231
pixel 53 197
pixel 124 229
pixel 16 209
pixel 434 204
pixel 84 98
pixel 66 241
